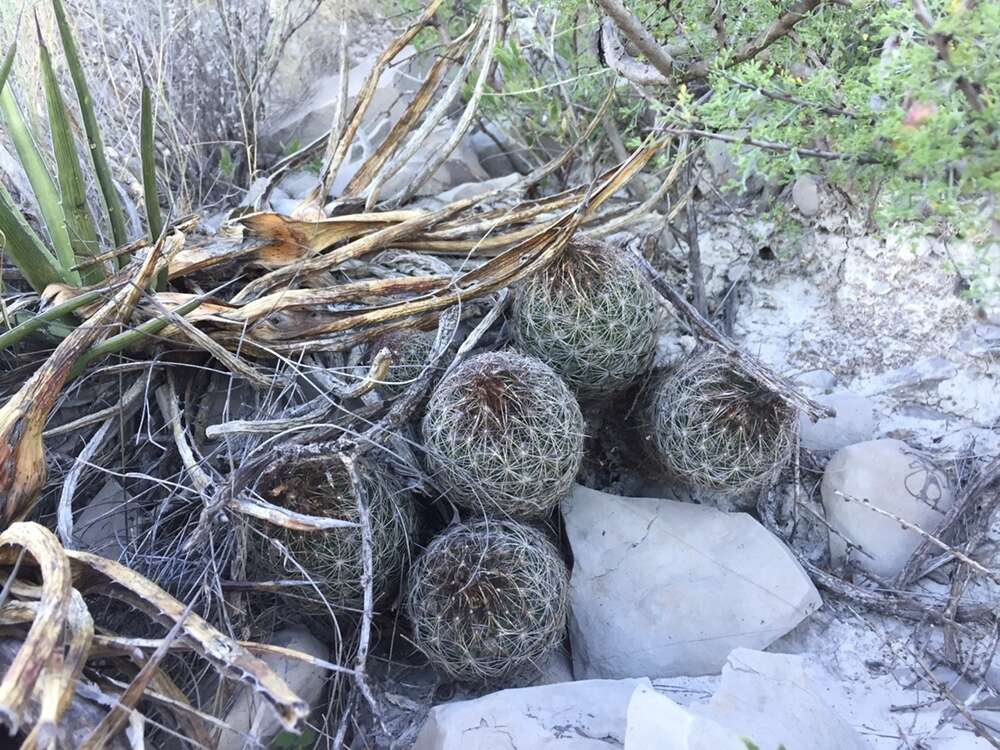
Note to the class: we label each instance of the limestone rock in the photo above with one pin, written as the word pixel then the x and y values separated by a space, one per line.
pixel 891 476
pixel 102 526
pixel 655 721
pixel 297 185
pixel 493 151
pixel 855 422
pixel 251 713
pixel 311 117
pixel 805 195
pixel 773 700
pixel 662 588
pixel 586 715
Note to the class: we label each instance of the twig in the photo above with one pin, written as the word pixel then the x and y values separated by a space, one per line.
pixel 957 554
pixel 977 726
pixel 781 27
pixel 814 153
pixel 750 365
pixel 694 251
pixel 632 27
pixel 368 611
pixel 64 510
pixel 611 52
pixel 976 503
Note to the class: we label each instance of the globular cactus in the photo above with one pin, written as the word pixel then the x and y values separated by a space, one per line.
pixel 332 559
pixel 711 426
pixel 409 350
pixel 591 316
pixel 503 435
pixel 487 601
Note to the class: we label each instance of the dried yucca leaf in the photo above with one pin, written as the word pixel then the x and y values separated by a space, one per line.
pixel 46 628
pixel 22 456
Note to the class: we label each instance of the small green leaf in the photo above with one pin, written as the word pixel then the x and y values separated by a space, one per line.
pixel 8 60
pixel 55 312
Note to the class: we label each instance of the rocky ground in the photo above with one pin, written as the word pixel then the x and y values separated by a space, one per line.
pixel 694 627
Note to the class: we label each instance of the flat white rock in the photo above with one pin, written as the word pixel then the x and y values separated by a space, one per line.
pixel 655 721
pixel 586 715
pixel 774 700
pixel 662 588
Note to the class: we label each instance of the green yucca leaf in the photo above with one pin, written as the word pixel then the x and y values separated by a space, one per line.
pixel 20 242
pixel 8 60
pixel 147 149
pixel 79 222
pixel 54 313
pixel 41 181
pixel 132 336
pixel 95 143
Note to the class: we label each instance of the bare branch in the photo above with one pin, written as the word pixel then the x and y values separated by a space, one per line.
pixel 785 23
pixel 632 27
pixel 772 146
pixel 616 58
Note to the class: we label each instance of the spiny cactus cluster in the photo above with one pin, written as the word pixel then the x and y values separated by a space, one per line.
pixel 591 316
pixel 712 427
pixel 503 435
pixel 487 600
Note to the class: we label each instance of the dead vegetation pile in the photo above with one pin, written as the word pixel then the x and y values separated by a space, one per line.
pixel 251 396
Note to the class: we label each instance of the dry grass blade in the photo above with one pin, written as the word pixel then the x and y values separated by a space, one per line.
pixel 228 657
pixel 439 155
pixel 22 454
pixel 421 101
pixel 46 629
pixel 342 141
pixel 63 673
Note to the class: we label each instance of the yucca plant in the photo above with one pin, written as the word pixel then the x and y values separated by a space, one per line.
pixel 72 251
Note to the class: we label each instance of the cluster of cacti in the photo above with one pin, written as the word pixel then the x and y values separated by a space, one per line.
pixel 487 600
pixel 712 427
pixel 591 316
pixel 503 440
pixel 503 435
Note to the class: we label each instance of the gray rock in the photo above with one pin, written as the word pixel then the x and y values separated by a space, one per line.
pixel 310 117
pixel 855 422
pixel 285 206
pixel 719 156
pixel 805 195
pixel 894 478
pixel 921 374
pixel 817 381
pixel 775 700
pixel 298 184
pixel 492 151
pixel 460 167
pixel 587 715
pixel 472 189
pixel 771 700
pixel 558 667
pixel 102 526
pixel 251 713
pixel 663 588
